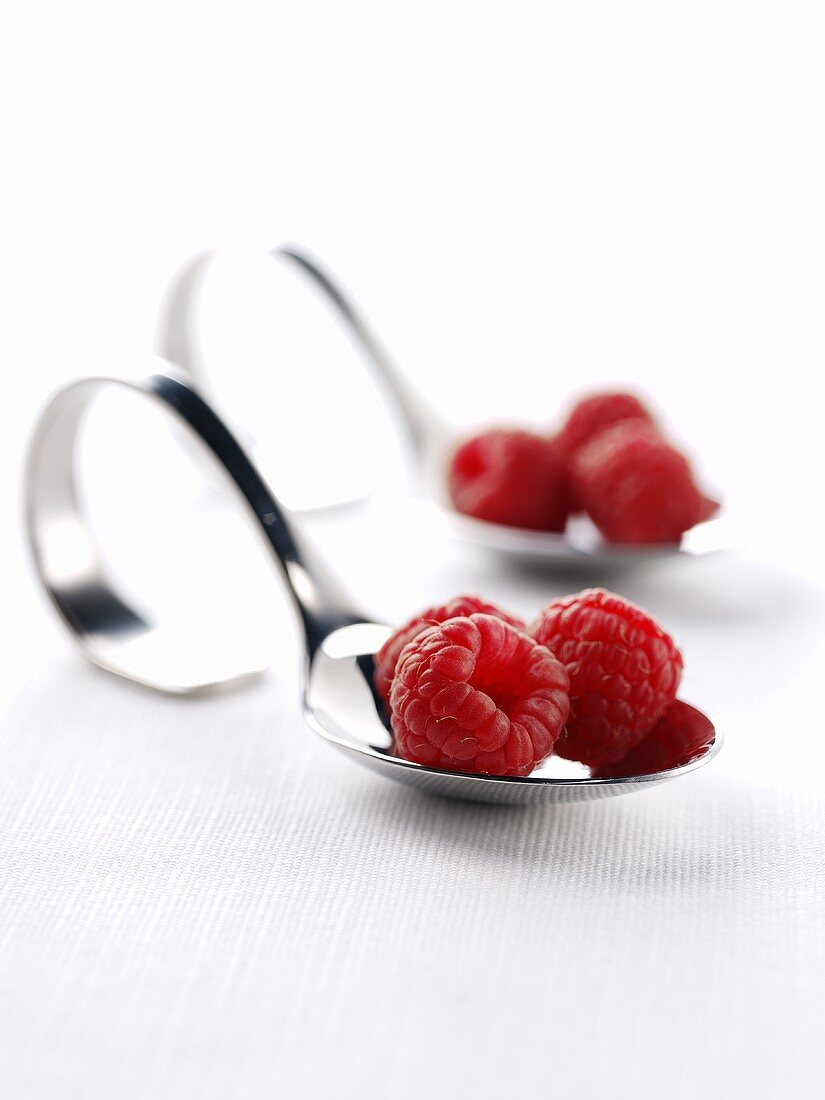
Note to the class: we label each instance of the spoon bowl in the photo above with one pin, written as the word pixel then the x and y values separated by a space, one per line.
pixel 340 642
pixel 341 706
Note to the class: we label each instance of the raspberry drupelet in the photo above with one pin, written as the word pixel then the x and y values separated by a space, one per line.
pixel 681 734
pixel 511 477
pixel 387 656
pixel 475 694
pixel 624 672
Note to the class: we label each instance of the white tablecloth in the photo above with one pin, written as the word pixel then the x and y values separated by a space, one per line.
pixel 202 899
pixel 199 899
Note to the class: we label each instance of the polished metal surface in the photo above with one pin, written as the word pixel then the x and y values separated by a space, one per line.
pixel 339 641
pixel 431 441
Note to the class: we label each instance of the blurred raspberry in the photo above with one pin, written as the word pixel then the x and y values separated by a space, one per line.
pixel 624 672
pixel 593 415
pixel 475 694
pixel 636 487
pixel 511 477
pixel 387 656
pixel 682 733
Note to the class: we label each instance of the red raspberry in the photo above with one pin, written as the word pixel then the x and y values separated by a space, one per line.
pixel 475 694
pixel 387 656
pixel 593 415
pixel 636 487
pixel 680 734
pixel 624 671
pixel 511 477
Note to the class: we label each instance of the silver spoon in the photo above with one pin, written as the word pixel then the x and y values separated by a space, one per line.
pixel 429 437
pixel 339 641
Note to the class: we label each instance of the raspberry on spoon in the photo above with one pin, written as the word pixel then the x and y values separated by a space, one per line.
pixel 624 672
pixel 636 487
pixel 474 694
pixel 511 477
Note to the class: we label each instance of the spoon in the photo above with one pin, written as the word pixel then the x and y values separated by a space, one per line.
pixel 429 438
pixel 339 701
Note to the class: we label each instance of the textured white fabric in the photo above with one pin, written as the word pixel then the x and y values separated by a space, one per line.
pixel 202 899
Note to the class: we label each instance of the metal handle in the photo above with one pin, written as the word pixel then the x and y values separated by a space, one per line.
pixel 111 633
pixel 176 339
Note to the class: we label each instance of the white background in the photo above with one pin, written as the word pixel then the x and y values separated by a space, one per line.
pixel 200 900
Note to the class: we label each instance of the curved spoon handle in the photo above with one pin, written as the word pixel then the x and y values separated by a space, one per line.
pixel 112 633
pixel 422 424
pixel 176 340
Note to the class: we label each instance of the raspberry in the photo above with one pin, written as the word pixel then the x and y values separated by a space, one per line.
pixel 512 477
pixel 636 487
pixel 624 671
pixel 387 656
pixel 593 415
pixel 680 734
pixel 475 694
